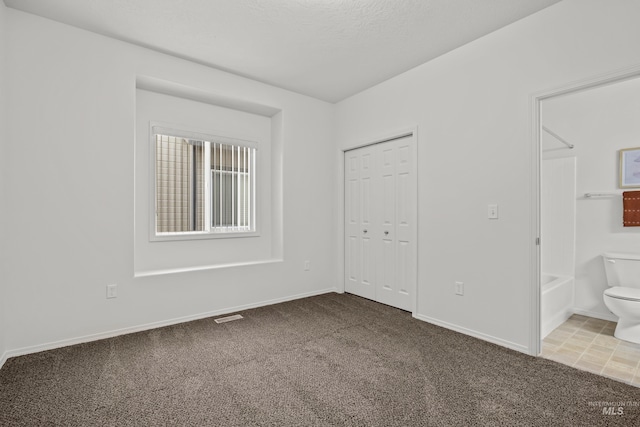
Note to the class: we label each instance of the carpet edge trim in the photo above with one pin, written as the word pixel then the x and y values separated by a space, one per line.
pixel 153 325
pixel 3 358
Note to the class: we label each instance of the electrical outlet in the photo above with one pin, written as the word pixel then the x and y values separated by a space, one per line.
pixel 307 265
pixel 459 288
pixel 112 291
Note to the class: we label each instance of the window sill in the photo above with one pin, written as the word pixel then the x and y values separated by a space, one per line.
pixel 152 273
pixel 170 237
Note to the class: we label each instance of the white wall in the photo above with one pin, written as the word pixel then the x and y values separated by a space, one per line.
pixel 3 298
pixel 70 160
pixel 599 122
pixel 70 146
pixel 472 108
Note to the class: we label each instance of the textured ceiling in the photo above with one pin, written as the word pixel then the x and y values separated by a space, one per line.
pixel 328 49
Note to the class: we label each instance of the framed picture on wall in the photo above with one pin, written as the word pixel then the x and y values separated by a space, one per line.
pixel 630 167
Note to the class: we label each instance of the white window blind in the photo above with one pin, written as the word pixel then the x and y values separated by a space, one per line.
pixel 203 184
pixel 179 185
pixel 232 187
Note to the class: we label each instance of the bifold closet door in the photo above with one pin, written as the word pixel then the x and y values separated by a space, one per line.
pixel 380 222
pixel 359 250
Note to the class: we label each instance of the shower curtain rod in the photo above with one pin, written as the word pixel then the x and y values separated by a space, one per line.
pixel 589 195
pixel 558 137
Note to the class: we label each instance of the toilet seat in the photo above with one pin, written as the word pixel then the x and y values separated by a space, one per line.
pixel 623 293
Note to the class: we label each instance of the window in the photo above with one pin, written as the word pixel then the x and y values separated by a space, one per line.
pixel 204 185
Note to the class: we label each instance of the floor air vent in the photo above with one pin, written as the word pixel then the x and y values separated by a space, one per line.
pixel 228 318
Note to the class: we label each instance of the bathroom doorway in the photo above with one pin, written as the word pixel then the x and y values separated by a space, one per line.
pixel 581 131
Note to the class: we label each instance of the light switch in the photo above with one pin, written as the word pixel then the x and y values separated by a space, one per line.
pixel 112 291
pixel 492 212
pixel 459 288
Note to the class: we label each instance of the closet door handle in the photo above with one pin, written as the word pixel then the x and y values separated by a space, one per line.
pixel 386 233
pixel 364 231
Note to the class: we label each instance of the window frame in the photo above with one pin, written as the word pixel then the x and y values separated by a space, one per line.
pixel 209 138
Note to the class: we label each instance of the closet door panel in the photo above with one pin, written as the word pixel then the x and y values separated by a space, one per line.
pixel 367 214
pixel 352 221
pixel 403 256
pixel 360 251
pixel 387 267
pixel 385 291
pixel 405 224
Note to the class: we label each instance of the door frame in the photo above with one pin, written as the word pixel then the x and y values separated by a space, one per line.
pixel 535 341
pixel 363 142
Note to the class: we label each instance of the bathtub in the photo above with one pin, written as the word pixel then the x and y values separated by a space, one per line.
pixel 556 302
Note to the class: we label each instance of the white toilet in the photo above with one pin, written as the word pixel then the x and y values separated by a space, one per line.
pixel 623 296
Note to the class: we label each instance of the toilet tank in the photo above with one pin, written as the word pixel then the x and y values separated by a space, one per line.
pixel 622 269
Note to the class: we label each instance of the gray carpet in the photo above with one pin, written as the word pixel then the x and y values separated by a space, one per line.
pixel 321 361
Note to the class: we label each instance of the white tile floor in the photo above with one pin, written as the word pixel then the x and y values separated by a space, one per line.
pixel 587 343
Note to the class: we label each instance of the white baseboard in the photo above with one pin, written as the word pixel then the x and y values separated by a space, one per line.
pixel 145 327
pixel 596 314
pixel 475 334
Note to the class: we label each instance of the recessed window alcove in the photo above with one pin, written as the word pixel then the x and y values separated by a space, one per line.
pixel 167 105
